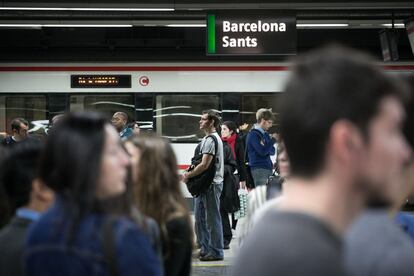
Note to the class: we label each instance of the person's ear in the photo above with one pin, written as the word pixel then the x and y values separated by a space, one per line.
pixel 41 191
pixel 345 142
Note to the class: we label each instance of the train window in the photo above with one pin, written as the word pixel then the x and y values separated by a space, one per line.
pixel 31 108
pixel 177 116
pixel 252 102
pixel 106 104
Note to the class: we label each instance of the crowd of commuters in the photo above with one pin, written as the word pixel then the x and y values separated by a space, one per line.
pixel 99 197
pixel 81 203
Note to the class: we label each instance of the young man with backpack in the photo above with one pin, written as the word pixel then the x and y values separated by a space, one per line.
pixel 208 223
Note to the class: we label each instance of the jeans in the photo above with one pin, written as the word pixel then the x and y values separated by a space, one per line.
pixel 260 176
pixel 208 224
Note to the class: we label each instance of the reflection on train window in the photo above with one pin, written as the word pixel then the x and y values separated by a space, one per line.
pixel 106 104
pixel 177 116
pixel 31 108
pixel 252 102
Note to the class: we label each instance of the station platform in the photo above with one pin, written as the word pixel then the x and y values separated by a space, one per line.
pixel 216 268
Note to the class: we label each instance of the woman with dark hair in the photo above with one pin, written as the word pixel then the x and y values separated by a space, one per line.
pixel 82 234
pixel 229 134
pixel 229 199
pixel 157 194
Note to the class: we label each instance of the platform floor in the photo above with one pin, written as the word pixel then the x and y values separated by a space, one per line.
pixel 216 268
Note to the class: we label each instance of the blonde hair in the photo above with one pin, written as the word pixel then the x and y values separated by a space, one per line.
pixel 264 113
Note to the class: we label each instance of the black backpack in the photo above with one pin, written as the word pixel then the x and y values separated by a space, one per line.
pixel 200 183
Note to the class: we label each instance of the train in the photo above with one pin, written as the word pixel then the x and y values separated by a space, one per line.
pixel 166 98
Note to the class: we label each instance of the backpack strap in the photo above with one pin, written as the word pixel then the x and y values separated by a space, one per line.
pixel 215 146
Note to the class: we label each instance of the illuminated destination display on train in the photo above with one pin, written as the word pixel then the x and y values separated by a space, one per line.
pixel 100 81
pixel 252 34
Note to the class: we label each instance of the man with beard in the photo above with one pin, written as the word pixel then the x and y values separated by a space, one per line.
pixel 340 116
pixel 375 244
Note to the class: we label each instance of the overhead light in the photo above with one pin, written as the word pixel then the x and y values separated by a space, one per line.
pixel 186 25
pixel 324 25
pixel 396 25
pixel 83 9
pixel 63 26
pixel 85 26
pixel 21 25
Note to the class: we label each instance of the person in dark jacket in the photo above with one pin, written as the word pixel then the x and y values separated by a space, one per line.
pixel 229 135
pixel 27 198
pixel 229 199
pixel 84 233
pixel 156 192
pixel 20 129
pixel 237 145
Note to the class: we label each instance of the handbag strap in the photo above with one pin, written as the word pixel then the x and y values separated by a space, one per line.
pixel 108 245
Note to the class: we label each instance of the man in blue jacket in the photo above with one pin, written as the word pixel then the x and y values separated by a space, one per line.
pixel 260 146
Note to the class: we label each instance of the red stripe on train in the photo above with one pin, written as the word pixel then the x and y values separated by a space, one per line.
pixel 183 167
pixel 160 68
pixel 140 68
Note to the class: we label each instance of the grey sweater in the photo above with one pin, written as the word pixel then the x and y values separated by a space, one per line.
pixel 375 245
pixel 290 243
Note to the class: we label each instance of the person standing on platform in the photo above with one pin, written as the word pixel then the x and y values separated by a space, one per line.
pixel 260 146
pixel 229 134
pixel 135 127
pixel 208 223
pixel 27 198
pixel 229 199
pixel 336 111
pixel 156 193
pixel 120 121
pixel 20 128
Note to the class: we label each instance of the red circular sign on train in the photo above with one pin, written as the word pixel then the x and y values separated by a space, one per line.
pixel 144 80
